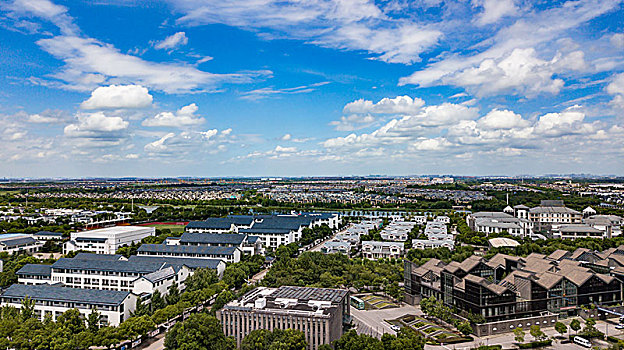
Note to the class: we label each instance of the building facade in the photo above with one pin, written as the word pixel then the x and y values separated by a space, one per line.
pixel 107 240
pixel 320 313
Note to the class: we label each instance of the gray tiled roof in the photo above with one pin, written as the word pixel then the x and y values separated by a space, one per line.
pixel 212 238
pixel 114 266
pixel 186 249
pixel 49 233
pixel 100 257
pixel 18 241
pixel 310 293
pixel 192 263
pixel 55 293
pixel 35 270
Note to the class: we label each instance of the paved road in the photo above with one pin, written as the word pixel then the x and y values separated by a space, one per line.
pixel 372 322
pixel 159 344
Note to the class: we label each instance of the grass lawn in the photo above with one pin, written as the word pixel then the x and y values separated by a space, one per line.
pixel 173 228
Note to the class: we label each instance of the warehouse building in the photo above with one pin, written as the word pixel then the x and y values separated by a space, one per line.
pixel 107 240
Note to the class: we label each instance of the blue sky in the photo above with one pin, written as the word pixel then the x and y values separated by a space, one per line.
pixel 261 87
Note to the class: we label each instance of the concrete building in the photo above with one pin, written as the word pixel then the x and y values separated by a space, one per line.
pixel 509 287
pixel 333 247
pixel 19 243
pixel 107 240
pixel 48 236
pixel 247 244
pixel 319 313
pixel 432 243
pixel 271 230
pixel 34 274
pixel 227 254
pixel 113 306
pixel 378 250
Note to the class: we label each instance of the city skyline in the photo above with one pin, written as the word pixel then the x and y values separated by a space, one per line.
pixel 313 88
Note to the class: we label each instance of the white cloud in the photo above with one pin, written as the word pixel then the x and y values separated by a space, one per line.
pixel 118 96
pixel 261 93
pixel 564 123
pixel 286 137
pixel 397 105
pixel 617 40
pixel 89 63
pixel 493 60
pixel 184 117
pixel 436 144
pixel 363 113
pixel 616 87
pixel 521 72
pixel 348 25
pixel 493 10
pixel 189 143
pixel 172 42
pixel 97 129
pixel 502 119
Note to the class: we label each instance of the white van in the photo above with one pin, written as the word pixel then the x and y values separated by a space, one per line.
pixel 582 342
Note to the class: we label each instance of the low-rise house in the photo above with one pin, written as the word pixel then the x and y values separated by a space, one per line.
pixel 432 243
pixel 378 250
pixel 48 236
pixel 333 247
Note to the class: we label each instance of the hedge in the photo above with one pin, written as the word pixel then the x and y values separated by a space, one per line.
pixel 535 344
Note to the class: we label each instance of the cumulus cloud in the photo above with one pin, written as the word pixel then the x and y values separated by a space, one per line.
pixel 516 57
pixel 171 42
pixel 118 96
pixel 616 88
pixel 98 128
pixel 502 119
pixel 183 117
pixel 520 72
pixel 362 113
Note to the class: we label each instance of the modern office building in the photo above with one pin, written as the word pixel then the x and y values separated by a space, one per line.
pixel 113 306
pixel 107 240
pixel 319 313
pixel 508 287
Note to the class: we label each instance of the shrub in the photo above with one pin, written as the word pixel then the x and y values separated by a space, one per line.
pixel 535 344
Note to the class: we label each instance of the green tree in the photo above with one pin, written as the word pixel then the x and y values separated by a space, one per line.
pixel 199 331
pixel 173 294
pixel 157 302
pixel 201 279
pixel 353 341
pixel 464 327
pixel 561 328
pixel 536 333
pixel 519 335
pixel 28 309
pixel 277 339
pixel 93 321
pixel 140 309
pixel 575 325
pixel 135 327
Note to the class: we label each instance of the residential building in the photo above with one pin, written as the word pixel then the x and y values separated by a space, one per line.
pixel 333 247
pixel 114 306
pixel 319 313
pixel 107 240
pixel 551 212
pixel 378 250
pixel 227 254
pixel 19 243
pixel 247 244
pixel 48 236
pixel 432 243
pixel 34 274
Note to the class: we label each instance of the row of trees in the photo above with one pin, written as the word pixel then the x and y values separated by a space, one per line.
pixel 314 269
pixel 202 331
